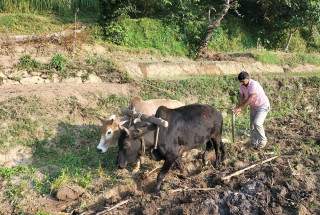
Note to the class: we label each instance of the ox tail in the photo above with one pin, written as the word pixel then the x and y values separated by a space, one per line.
pixel 223 150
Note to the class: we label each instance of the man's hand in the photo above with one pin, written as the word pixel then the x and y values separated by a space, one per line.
pixel 237 111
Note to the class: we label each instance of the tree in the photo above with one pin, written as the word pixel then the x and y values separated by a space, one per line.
pixel 304 13
pixel 213 26
pixel 312 17
pixel 279 20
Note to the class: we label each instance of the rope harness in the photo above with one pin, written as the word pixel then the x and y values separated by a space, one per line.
pixel 143 144
pixel 143 147
pixel 157 137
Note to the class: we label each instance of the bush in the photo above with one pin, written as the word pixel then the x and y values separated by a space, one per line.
pixel 232 36
pixel 26 62
pixel 58 62
pixel 146 33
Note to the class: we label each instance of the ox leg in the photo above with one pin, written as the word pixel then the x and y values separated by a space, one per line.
pixel 217 146
pixel 137 167
pixel 205 154
pixel 179 165
pixel 165 168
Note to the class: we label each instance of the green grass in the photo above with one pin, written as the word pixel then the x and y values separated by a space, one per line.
pixel 42 6
pixel 64 148
pixel 266 57
pixel 28 24
pixel 283 59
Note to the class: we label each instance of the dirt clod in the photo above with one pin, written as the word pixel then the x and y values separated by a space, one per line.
pixel 69 193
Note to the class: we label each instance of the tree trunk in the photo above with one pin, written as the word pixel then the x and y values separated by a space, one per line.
pixel 213 26
pixel 286 49
pixel 310 34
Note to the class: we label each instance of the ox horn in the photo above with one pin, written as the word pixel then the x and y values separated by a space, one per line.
pixel 101 118
pixel 125 129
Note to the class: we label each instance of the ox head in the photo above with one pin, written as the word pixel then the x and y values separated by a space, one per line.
pixel 109 133
pixel 130 146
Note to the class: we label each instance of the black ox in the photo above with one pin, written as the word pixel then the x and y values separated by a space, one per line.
pixel 189 127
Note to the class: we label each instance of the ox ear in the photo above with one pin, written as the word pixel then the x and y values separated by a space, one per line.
pixel 124 129
pixel 113 117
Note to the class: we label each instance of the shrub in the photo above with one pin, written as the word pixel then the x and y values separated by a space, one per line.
pixel 26 62
pixel 146 33
pixel 58 62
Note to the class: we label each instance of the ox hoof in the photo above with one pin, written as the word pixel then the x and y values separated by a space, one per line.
pixel 206 163
pixel 156 190
pixel 182 176
pixel 135 171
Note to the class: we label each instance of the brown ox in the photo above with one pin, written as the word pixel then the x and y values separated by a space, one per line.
pixel 110 131
pixel 150 107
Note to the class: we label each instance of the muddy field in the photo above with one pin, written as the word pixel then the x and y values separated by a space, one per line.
pixel 287 184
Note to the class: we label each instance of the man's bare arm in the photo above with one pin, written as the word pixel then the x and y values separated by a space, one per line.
pixel 242 104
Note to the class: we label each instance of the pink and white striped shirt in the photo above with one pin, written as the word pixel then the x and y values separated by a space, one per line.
pixel 260 99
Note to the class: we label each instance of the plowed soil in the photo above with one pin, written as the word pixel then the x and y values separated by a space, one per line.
pixel 287 184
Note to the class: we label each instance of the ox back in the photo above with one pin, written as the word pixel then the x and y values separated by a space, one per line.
pixel 189 127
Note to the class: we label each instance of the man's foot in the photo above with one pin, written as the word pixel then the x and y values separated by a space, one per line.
pixel 260 145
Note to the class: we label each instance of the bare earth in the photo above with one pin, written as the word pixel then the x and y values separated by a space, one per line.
pixel 60 90
pixel 281 186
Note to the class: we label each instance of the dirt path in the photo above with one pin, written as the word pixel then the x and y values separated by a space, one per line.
pixel 61 90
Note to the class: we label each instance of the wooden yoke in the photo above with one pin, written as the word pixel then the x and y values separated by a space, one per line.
pixel 144 117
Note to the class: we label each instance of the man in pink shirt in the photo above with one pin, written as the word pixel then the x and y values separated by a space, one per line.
pixel 252 94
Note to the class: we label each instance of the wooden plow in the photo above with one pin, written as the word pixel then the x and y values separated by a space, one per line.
pixel 144 117
pixel 152 119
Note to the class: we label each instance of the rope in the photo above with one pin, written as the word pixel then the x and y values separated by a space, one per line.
pixel 143 148
pixel 157 136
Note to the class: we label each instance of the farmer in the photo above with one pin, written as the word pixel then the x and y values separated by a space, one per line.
pixel 252 94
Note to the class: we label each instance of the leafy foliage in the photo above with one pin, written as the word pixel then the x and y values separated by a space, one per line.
pixel 64 149
pixel 36 6
pixel 26 62
pixel 58 62
pixel 146 34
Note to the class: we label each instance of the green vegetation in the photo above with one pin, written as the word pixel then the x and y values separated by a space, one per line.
pixel 62 135
pixel 279 58
pixel 173 28
pixel 41 6
pixel 64 148
pixel 58 62
pixel 146 33
pixel 26 62
pixel 28 24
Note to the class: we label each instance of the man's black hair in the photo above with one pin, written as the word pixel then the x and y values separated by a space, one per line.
pixel 243 75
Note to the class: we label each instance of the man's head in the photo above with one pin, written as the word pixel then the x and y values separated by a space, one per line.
pixel 243 77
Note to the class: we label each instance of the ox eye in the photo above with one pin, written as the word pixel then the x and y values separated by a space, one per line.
pixel 109 132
